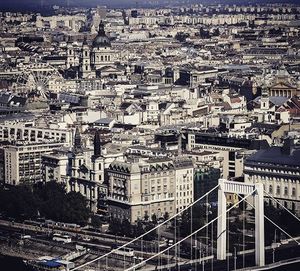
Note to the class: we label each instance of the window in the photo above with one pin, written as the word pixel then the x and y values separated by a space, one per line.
pixel 270 189
pixel 278 190
pixel 286 191
pixel 294 192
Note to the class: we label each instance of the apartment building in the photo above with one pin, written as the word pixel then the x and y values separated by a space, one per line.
pixel 20 131
pixel 23 162
pixel 146 187
pixel 230 148
pixel 278 169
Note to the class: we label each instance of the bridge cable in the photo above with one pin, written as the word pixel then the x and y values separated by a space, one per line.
pixel 185 238
pixel 144 234
pixel 275 224
pixel 282 206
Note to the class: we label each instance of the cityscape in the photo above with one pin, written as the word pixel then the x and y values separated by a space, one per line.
pixel 149 135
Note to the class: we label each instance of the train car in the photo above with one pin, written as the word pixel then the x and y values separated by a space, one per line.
pixel 128 252
pixel 62 238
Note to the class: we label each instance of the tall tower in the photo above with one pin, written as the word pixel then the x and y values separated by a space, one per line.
pixel 264 101
pixel 85 60
pixel 77 141
pixel 97 144
pixel 70 55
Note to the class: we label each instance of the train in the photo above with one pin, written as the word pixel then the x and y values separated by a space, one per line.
pixel 127 252
pixel 53 224
pixel 62 238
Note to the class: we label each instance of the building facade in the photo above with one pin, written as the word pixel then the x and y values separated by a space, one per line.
pixel 23 162
pixel 151 187
pixel 278 169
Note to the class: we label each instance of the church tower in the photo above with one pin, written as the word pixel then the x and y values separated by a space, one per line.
pixel 85 60
pixel 264 100
pixel 77 141
pixel 265 103
pixel 97 145
pixel 70 55
pixel 102 53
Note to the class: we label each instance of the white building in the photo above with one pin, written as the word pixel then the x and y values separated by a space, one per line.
pixel 23 162
pixel 278 169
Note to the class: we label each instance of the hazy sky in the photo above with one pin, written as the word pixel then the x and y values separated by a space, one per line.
pixel 34 4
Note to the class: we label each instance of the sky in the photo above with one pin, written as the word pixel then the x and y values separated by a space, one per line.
pixel 35 4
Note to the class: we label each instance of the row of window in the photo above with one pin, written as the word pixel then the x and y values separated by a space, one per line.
pixel 184 201
pixel 286 190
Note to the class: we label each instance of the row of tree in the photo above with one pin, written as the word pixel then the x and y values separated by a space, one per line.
pixel 124 228
pixel 47 200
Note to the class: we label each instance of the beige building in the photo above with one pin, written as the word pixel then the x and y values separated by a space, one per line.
pixel 184 177
pixel 143 188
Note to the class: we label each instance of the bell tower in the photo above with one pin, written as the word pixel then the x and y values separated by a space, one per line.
pixel 85 60
pixel 264 101
pixel 70 55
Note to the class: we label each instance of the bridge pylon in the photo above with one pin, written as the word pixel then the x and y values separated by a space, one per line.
pixel 257 190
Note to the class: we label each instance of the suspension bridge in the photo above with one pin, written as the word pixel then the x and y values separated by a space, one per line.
pixel 207 247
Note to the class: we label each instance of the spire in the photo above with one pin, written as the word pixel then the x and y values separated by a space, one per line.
pixel 77 140
pixel 97 144
pixel 85 41
pixel 101 31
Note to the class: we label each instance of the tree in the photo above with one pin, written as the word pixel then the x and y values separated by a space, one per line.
pixel 181 37
pixel 96 221
pixel 114 225
pixel 154 219
pixel 146 216
pixel 50 200
pixel 138 229
pixel 75 209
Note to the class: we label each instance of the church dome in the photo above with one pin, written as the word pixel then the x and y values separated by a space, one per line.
pixel 101 39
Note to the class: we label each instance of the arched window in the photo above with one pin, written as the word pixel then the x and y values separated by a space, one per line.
pixel 270 189
pixel 101 58
pixel 294 192
pixel 278 190
pixel 286 191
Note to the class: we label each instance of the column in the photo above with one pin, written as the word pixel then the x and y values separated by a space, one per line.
pixel 259 225
pixel 221 231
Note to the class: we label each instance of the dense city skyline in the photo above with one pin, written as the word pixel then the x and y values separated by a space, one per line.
pixel 149 135
pixel 43 4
